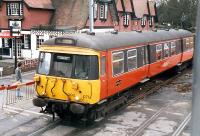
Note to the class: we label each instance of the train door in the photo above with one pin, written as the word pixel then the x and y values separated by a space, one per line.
pixel 103 75
pixel 142 61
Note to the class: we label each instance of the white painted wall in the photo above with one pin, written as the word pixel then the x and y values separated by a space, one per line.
pixel 1 43
pixel 34 51
pixel 26 53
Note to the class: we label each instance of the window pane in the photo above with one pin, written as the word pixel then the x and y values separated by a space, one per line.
pixel 159 52
pixel 132 59
pixel 191 42
pixel 173 48
pixel 44 63
pixel 118 56
pixel 132 63
pixel 68 65
pixel 62 65
pixel 132 53
pixel 103 65
pixel 118 63
pixel 166 50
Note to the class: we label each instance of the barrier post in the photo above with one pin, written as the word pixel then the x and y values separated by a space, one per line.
pixel 1 71
pixel 2 95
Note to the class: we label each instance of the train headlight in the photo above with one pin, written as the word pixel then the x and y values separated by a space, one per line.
pixel 77 98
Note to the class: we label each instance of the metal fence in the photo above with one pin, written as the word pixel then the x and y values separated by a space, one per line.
pixel 16 93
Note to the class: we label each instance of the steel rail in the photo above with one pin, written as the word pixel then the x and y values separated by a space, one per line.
pixel 42 130
pixel 149 121
pixel 148 91
pixel 182 125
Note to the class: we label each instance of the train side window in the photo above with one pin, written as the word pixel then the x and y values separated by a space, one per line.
pixel 159 52
pixel 178 46
pixel 187 44
pixel 146 55
pixel 117 63
pixel 191 42
pixel 166 50
pixel 132 59
pixel 103 66
pixel 173 48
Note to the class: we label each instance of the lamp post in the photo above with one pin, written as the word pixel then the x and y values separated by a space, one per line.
pixel 15 32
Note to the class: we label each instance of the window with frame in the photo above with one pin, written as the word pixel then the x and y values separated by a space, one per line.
pixel 40 40
pixel 27 41
pixel 143 21
pixel 126 20
pixel 159 52
pixel 151 20
pixel 118 63
pixel 187 43
pixel 103 66
pixel 166 50
pixel 103 11
pixel 173 48
pixel 132 59
pixel 6 43
pixel 191 42
pixel 95 10
pixel 14 9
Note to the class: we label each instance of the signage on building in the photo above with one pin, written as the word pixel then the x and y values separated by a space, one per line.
pixel 15 28
pixel 5 34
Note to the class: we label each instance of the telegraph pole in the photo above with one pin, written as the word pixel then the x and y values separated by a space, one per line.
pixel 196 81
pixel 91 15
pixel 15 32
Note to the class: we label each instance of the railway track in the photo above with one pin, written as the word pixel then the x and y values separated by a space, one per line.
pixel 45 128
pixel 145 90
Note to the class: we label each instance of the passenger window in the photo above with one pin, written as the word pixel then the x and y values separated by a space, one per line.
pixel 187 43
pixel 191 42
pixel 103 66
pixel 132 59
pixel 117 63
pixel 173 48
pixel 166 50
pixel 159 52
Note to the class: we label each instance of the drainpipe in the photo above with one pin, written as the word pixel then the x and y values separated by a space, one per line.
pixel 91 15
pixel 196 81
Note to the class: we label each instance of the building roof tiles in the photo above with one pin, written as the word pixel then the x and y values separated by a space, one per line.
pixel 40 4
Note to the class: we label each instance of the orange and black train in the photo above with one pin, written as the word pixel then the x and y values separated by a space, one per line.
pixel 85 74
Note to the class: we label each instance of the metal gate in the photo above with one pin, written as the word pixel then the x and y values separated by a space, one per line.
pixel 8 94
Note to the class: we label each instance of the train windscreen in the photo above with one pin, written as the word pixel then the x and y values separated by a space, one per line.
pixel 69 66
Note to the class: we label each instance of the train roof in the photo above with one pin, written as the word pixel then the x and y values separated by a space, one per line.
pixel 105 41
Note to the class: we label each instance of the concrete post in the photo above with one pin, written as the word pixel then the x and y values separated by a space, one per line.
pixel 91 15
pixel 196 82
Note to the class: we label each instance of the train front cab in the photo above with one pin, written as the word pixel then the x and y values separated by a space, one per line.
pixel 68 80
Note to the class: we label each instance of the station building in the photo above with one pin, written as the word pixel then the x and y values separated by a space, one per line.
pixel 40 20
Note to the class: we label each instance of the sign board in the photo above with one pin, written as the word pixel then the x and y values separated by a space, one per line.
pixel 16 32
pixel 5 34
pixel 16 27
